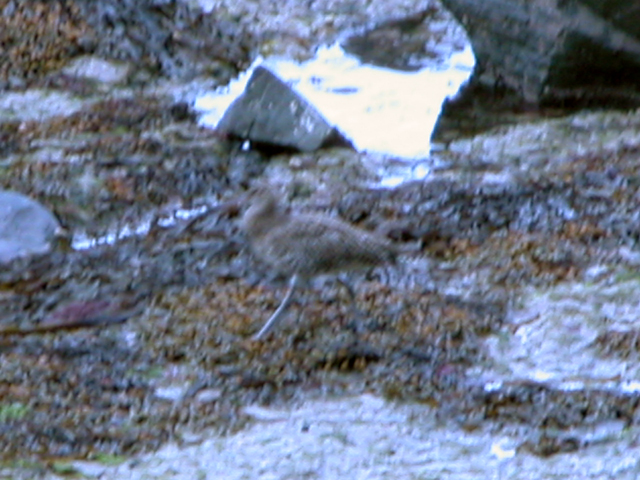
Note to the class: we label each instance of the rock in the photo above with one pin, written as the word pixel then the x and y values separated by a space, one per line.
pixel 555 52
pixel 270 114
pixel 400 44
pixel 97 69
pixel 26 227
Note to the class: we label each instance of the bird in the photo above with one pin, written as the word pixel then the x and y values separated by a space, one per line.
pixel 302 246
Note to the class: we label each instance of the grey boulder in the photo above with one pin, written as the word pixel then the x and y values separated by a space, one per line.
pixel 26 227
pixel 269 113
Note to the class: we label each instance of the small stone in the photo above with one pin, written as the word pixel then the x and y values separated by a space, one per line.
pixel 208 395
pixel 270 113
pixel 26 226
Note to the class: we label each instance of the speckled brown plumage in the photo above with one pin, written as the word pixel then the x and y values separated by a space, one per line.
pixel 302 246
pixel 311 245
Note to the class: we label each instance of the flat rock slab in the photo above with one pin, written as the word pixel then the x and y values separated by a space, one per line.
pixel 26 226
pixel 269 113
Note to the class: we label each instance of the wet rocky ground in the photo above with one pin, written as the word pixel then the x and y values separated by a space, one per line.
pixel 122 161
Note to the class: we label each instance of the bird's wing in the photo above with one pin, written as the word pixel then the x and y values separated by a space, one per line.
pixel 322 245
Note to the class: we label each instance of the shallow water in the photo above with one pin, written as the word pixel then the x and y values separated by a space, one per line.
pixel 383 111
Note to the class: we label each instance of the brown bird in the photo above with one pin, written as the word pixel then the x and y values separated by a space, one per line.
pixel 302 246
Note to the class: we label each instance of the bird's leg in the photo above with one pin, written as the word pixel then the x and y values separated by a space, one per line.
pixel 347 286
pixel 353 306
pixel 286 301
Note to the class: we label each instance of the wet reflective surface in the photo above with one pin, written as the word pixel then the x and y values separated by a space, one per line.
pixel 506 348
pixel 381 110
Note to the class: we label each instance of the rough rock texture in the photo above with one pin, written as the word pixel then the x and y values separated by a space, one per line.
pixel 168 37
pixel 26 227
pixel 555 52
pixel 270 113
pixel 402 44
